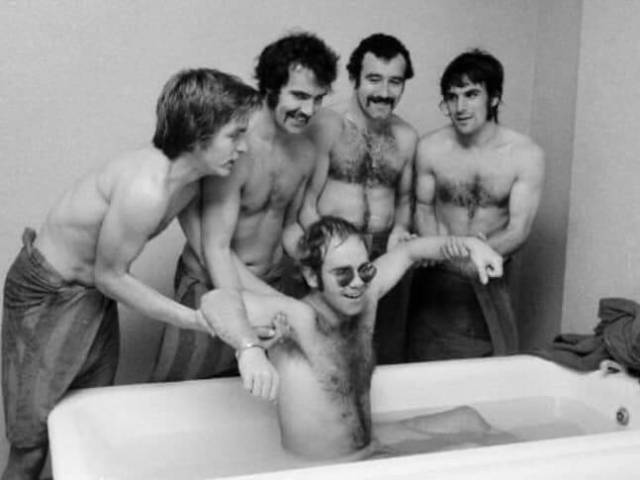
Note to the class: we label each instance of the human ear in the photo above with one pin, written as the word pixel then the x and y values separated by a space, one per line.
pixel 310 277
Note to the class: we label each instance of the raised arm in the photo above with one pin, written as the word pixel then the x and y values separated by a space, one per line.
pixel 523 200
pixel 393 264
pixel 136 211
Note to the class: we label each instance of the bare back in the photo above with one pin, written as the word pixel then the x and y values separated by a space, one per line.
pixel 75 226
pixel 364 172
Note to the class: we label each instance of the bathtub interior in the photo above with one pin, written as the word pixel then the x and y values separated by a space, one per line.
pixel 212 428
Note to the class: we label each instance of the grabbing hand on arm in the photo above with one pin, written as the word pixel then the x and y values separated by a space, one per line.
pixel 486 261
pixel 220 210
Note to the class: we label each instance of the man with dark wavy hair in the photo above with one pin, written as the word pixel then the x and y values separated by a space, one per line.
pixel 365 168
pixel 234 234
pixel 59 320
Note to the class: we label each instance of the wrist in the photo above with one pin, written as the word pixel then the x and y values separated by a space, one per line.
pixel 248 346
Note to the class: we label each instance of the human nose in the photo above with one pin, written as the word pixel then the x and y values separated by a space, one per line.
pixel 461 103
pixel 308 107
pixel 242 146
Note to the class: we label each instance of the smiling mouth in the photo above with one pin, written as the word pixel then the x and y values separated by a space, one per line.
pixel 353 296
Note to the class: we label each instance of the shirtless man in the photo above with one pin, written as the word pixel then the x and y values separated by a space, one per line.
pixel 365 172
pixel 60 321
pixel 234 234
pixel 473 177
pixel 325 358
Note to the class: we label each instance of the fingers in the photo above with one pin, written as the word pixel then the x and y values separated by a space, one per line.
pixel 258 374
pixel 454 248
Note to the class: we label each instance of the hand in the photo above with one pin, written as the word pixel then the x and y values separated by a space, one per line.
pixel 455 249
pixel 398 237
pixel 269 335
pixel 487 261
pixel 259 376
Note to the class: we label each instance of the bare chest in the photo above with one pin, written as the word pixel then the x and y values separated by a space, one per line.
pixel 475 181
pixel 272 183
pixel 372 159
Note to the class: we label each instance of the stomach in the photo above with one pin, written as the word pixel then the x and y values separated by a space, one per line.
pixel 460 221
pixel 371 209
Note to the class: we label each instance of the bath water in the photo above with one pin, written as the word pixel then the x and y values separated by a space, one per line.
pixel 222 452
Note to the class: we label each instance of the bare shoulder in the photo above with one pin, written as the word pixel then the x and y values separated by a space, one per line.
pixel 435 144
pixel 405 134
pixel 524 151
pixel 325 125
pixel 140 173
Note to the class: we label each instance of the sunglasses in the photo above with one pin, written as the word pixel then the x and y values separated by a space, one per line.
pixel 345 275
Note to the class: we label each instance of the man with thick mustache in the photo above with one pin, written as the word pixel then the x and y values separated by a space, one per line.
pixel 365 170
pixel 234 231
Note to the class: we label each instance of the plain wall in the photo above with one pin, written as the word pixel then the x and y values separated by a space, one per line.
pixel 604 224
pixel 540 266
pixel 80 82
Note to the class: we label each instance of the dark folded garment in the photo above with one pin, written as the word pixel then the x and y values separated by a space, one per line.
pixel 616 337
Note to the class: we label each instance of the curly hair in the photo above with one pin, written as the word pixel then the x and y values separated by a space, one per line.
pixel 475 66
pixel 195 104
pixel 304 49
pixel 382 46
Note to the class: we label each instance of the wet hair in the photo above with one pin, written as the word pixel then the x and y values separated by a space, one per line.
pixel 303 49
pixel 382 46
pixel 476 66
pixel 195 104
pixel 313 246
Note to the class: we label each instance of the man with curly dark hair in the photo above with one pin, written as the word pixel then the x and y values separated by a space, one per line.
pixel 234 233
pixel 365 168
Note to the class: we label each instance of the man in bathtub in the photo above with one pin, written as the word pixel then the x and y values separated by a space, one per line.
pixel 325 357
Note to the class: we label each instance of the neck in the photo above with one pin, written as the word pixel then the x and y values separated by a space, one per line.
pixel 331 318
pixel 183 170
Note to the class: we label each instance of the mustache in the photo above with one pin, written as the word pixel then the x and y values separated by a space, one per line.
pixel 298 115
pixel 376 99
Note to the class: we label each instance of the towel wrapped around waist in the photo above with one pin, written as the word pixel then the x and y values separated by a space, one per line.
pixel 454 316
pixel 56 335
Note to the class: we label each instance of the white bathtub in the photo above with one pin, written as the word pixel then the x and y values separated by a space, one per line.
pixel 212 428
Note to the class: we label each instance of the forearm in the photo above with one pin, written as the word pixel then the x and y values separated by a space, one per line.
pixel 426 224
pixel 222 267
pixel 250 281
pixel 508 241
pixel 426 248
pixel 128 290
